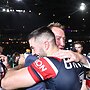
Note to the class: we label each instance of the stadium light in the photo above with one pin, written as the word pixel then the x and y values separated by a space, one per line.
pixel 82 7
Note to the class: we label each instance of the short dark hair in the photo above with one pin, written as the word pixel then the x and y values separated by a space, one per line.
pixel 42 30
pixel 78 42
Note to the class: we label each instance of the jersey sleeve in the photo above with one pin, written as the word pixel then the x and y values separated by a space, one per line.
pixel 88 62
pixel 42 69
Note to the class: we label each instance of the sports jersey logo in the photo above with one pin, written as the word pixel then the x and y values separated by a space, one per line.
pixel 38 63
pixel 71 65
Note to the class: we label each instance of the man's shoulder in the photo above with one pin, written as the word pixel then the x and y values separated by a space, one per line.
pixel 29 60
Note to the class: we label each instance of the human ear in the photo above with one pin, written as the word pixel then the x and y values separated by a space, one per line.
pixel 46 45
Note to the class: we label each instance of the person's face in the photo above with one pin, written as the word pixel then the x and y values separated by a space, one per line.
pixel 37 48
pixel 59 36
pixel 78 48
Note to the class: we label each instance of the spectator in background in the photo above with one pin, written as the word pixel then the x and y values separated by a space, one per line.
pixel 16 57
pixel 27 53
pixel 78 47
pixel 14 60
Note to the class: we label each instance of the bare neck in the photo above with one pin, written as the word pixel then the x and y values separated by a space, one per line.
pixel 52 51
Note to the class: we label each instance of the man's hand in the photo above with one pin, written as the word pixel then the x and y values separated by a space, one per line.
pixel 72 57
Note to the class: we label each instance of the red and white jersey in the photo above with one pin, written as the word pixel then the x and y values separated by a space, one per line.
pixel 44 68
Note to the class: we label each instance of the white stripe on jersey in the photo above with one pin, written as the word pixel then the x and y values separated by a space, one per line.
pixel 51 64
pixel 41 76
